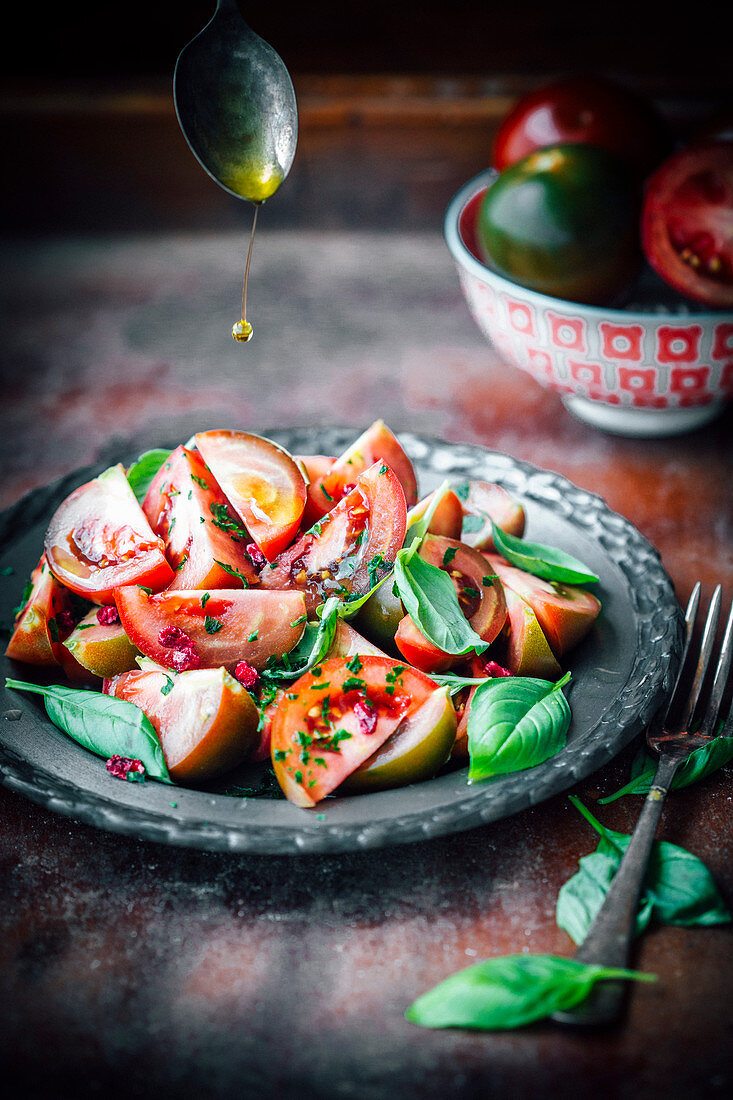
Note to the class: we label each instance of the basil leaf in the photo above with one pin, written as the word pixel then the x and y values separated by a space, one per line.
pixel 699 765
pixel 141 474
pixel 678 887
pixel 312 648
pixel 515 722
pixel 540 560
pixel 102 724
pixel 429 597
pixel 511 991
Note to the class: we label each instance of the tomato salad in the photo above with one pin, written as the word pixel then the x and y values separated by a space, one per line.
pixel 231 602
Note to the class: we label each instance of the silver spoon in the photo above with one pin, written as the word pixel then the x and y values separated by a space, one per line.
pixel 236 106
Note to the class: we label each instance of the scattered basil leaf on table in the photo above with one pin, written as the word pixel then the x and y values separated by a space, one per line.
pixel 678 887
pixel 429 597
pixel 511 991
pixel 540 560
pixel 102 724
pixel 699 765
pixel 141 474
pixel 515 722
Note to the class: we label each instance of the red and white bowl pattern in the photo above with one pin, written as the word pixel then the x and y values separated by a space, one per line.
pixel 623 360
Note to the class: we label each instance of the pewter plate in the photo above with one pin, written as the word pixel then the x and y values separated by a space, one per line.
pixel 620 673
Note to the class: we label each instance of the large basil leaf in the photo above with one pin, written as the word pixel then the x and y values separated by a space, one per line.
pixel 429 597
pixel 312 648
pixel 699 765
pixel 678 887
pixel 540 560
pixel 102 724
pixel 515 722
pixel 141 474
pixel 511 991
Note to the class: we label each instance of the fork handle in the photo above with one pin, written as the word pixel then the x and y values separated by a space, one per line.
pixel 611 934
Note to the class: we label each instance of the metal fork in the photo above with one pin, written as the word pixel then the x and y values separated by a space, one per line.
pixel 670 736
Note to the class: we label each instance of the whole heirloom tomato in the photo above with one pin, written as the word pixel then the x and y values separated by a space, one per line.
pixel 687 222
pixel 563 221
pixel 587 110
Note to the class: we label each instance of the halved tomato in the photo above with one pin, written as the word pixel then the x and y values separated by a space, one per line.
pixel 337 716
pixel 687 222
pixel 482 502
pixel 204 541
pixel 208 629
pixel 205 720
pixel 352 547
pixel 565 612
pixel 36 637
pixel 99 539
pixel 480 597
pixel 262 482
pixel 376 444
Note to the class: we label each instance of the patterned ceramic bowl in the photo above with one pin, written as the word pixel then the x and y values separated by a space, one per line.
pixel 658 367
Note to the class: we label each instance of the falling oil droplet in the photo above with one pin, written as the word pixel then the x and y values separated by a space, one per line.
pixel 242 330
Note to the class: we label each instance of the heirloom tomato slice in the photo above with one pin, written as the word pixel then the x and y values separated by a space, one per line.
pixel 204 539
pixel 261 481
pixel 482 502
pixel 334 718
pixel 352 547
pixel 99 539
pixel 36 634
pixel 377 443
pixel 206 722
pixel 102 648
pixel 185 628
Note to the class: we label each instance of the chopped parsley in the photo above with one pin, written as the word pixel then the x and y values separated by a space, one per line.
pixel 205 598
pixel 233 572
pixel 211 625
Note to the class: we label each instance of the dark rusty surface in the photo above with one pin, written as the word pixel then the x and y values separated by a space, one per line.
pixel 129 968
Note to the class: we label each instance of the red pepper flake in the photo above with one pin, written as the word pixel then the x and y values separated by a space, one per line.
pixel 255 555
pixel 65 622
pixel 491 668
pixel 366 716
pixel 185 659
pixel 172 637
pixel 348 488
pixel 108 614
pixel 123 767
pixel 246 675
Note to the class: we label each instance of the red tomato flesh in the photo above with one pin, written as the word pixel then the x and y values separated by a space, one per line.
pixel 223 627
pixel 204 540
pixel 336 717
pixel 36 635
pixel 348 550
pixel 262 483
pixel 206 722
pixel 100 539
pixel 376 444
pixel 687 223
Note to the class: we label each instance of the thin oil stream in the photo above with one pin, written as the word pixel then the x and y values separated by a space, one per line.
pixel 243 330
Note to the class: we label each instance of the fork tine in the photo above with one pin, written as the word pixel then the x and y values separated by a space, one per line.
pixel 720 680
pixel 661 720
pixel 706 646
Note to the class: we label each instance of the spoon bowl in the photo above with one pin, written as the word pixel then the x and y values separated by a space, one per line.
pixel 236 106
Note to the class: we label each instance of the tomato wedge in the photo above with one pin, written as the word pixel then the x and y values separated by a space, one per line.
pixel 36 635
pixel 100 539
pixel 482 502
pixel 262 482
pixel 352 547
pixel 186 629
pixel 335 717
pixel 204 541
pixel 376 444
pixel 205 720
pixel 480 597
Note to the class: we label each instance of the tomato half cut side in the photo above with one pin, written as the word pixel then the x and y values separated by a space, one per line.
pixel 262 482
pixel 204 539
pixel 352 547
pixel 336 717
pixel 184 629
pixel 687 223
pixel 206 722
pixel 377 443
pixel 99 539
pixel 36 637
